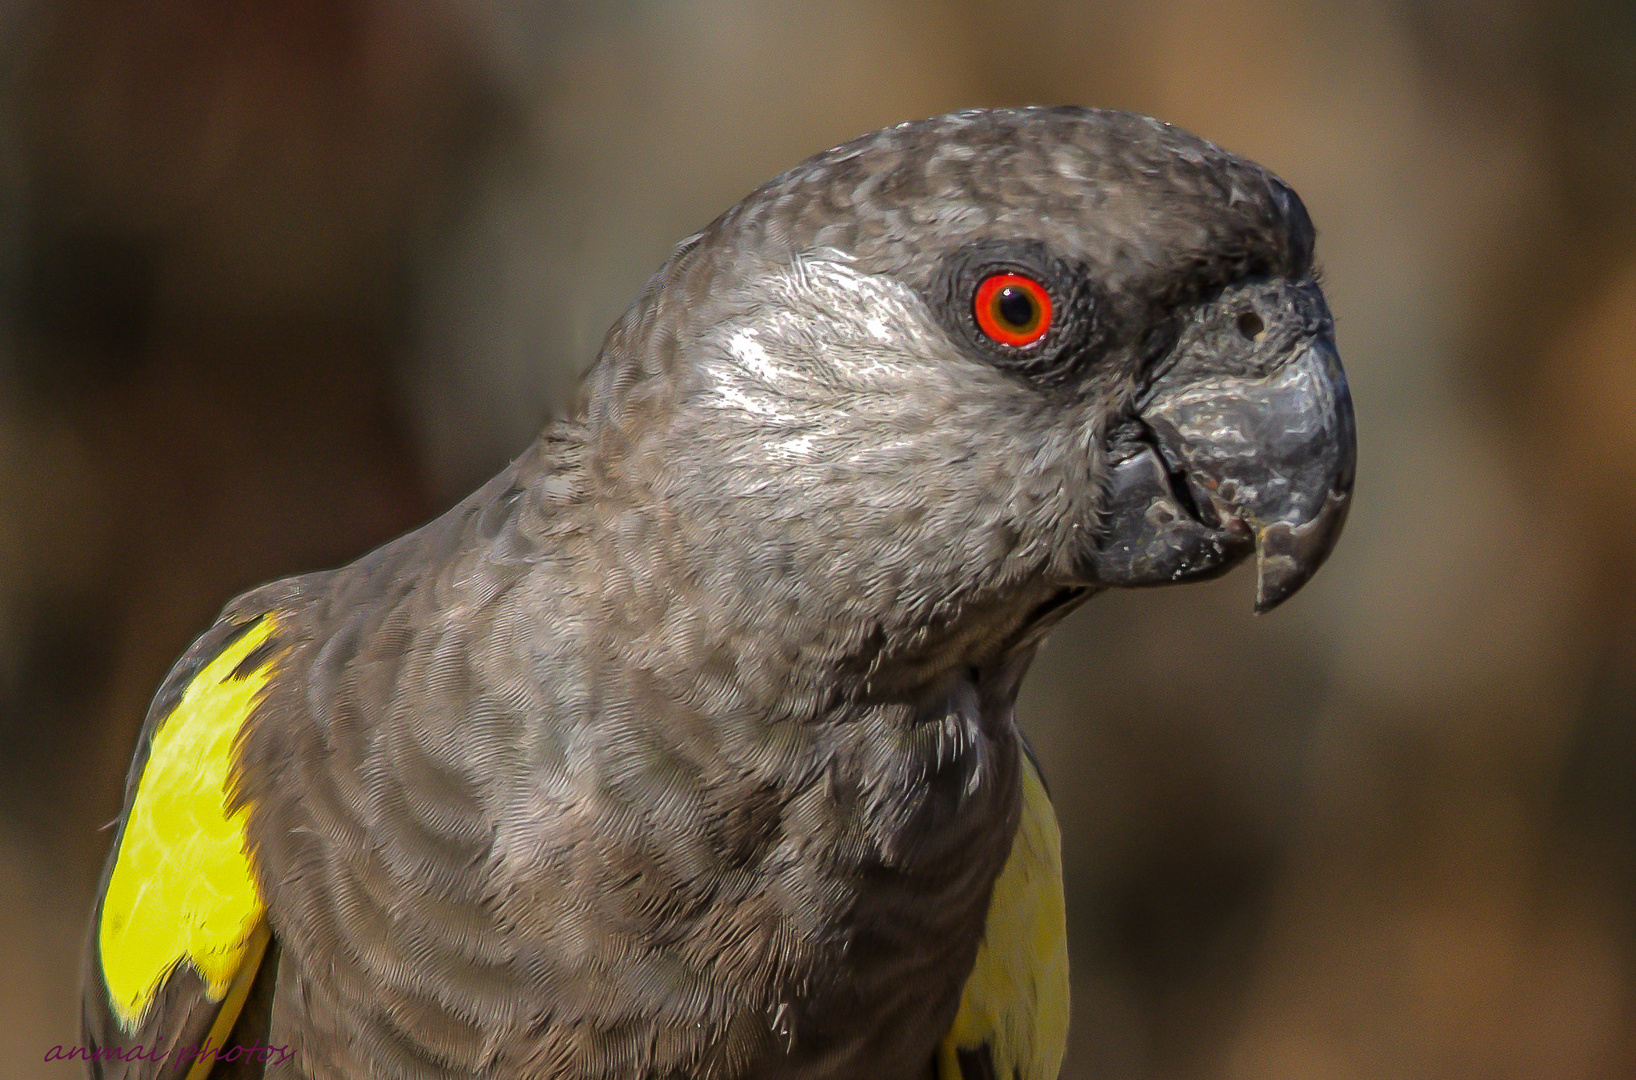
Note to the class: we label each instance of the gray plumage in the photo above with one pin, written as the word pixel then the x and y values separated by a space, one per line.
pixel 685 747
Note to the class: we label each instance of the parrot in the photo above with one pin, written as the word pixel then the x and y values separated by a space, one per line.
pixel 686 747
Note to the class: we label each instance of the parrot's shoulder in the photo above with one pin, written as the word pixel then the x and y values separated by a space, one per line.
pixel 179 928
pixel 1013 1018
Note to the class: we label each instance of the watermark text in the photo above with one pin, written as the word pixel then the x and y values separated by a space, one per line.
pixel 256 1051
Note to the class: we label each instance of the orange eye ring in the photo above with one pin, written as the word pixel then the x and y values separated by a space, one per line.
pixel 1012 309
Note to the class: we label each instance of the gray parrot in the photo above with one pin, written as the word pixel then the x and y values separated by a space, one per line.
pixel 686 746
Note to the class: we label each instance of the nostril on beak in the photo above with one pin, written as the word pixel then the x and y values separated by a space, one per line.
pixel 1251 326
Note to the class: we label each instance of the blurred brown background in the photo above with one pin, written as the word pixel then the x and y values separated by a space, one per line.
pixel 282 278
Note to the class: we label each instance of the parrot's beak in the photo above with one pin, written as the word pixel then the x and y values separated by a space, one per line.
pixel 1274 451
pixel 1227 455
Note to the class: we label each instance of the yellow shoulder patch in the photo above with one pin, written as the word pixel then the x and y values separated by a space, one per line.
pixel 182 886
pixel 1014 1007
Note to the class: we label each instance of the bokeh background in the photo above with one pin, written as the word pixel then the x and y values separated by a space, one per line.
pixel 282 278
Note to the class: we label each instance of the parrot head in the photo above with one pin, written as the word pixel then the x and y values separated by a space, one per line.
pixel 1038 352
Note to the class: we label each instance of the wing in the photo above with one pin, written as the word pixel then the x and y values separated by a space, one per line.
pixel 1013 1018
pixel 178 930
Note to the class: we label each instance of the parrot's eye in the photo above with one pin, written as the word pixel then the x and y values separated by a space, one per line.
pixel 1012 309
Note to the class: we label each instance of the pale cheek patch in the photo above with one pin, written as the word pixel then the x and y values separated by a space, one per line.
pixel 797 449
pixel 760 405
pixel 748 351
pixel 873 327
pixel 828 336
pixel 817 367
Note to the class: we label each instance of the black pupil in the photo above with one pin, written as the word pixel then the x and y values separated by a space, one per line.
pixel 1015 307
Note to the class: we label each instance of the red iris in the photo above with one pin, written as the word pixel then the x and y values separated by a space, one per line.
pixel 1012 309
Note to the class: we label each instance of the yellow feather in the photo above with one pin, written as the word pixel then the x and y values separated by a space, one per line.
pixel 234 1003
pixel 182 887
pixel 1016 999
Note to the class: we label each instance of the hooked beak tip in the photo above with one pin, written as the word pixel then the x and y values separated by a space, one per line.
pixel 1287 555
